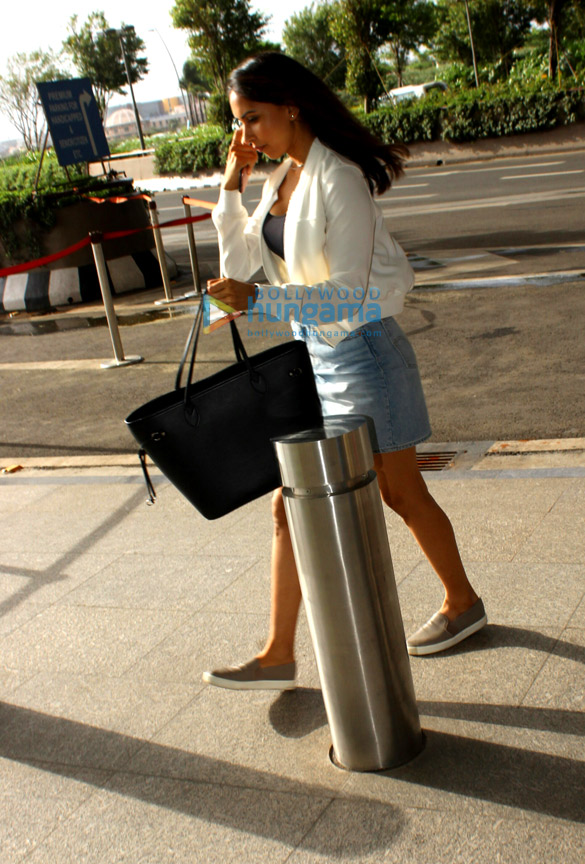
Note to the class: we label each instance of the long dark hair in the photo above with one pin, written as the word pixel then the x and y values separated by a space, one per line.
pixel 278 79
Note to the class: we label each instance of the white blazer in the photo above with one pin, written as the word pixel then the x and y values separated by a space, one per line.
pixel 341 267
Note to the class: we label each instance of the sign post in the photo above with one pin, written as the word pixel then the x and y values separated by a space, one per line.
pixel 74 120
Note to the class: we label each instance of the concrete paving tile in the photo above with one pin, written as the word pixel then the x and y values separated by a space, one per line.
pixel 371 832
pixel 481 533
pixel 480 666
pixel 37 799
pixel 20 614
pixel 490 535
pixel 254 738
pixel 486 769
pixel 172 525
pixel 15 498
pixel 572 502
pixel 51 532
pixel 11 680
pixel 536 730
pixel 78 640
pixel 68 527
pixel 122 705
pixel 252 534
pixel 560 683
pixel 28 735
pixel 30 583
pixel 208 640
pixel 89 497
pixel 202 641
pixel 548 840
pixel 535 595
pixel 45 577
pixel 578 618
pixel 462 492
pixel 559 538
pixel 153 820
pixel 172 581
pixel 247 594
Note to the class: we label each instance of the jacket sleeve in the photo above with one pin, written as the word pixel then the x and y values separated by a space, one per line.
pixel 239 237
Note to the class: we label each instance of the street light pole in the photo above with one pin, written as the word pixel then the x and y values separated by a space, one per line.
pixel 186 105
pixel 120 35
pixel 471 41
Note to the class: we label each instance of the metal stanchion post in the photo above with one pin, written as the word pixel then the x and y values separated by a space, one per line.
pixel 192 248
pixel 96 238
pixel 341 548
pixel 160 251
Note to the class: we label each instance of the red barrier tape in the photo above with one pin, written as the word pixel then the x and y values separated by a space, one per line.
pixel 113 235
pixel 48 259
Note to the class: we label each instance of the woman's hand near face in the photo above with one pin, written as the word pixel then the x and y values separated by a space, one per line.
pixel 231 292
pixel 241 159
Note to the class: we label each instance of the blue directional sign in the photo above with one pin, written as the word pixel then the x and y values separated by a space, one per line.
pixel 74 120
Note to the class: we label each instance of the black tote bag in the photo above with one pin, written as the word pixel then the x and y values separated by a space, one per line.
pixel 212 438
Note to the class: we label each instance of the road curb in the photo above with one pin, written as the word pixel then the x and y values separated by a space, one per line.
pixel 467 455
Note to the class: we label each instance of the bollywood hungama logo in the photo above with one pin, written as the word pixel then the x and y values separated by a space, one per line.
pixel 310 307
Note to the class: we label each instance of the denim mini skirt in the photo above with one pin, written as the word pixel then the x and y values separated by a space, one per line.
pixel 373 371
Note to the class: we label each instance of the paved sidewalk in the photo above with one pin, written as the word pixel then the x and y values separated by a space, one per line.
pixel 113 750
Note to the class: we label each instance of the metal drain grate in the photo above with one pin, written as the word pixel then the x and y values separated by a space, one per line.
pixel 435 461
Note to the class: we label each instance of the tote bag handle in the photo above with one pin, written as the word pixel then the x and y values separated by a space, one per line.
pixel 256 380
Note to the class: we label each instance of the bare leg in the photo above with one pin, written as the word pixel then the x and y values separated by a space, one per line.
pixel 285 592
pixel 404 490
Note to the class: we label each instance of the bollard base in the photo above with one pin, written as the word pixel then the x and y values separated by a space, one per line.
pixel 127 361
pixel 335 761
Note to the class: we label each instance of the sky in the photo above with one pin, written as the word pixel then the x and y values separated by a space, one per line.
pixel 37 24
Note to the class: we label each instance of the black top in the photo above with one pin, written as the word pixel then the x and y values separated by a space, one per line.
pixel 273 232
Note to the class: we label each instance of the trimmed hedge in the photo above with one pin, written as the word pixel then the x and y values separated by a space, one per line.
pixel 205 148
pixel 488 112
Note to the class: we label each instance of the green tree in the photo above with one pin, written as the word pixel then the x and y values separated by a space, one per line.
pixel 221 34
pixel 498 26
pixel 409 24
pixel 308 38
pixel 96 52
pixel 559 15
pixel 360 27
pixel 19 97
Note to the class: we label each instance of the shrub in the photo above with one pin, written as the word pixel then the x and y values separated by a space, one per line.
pixel 25 216
pixel 407 122
pixel 472 114
pixel 499 111
pixel 205 148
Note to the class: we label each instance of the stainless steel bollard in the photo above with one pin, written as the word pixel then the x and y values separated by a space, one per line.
pixel 341 548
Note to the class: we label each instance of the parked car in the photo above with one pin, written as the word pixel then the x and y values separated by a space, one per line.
pixel 412 91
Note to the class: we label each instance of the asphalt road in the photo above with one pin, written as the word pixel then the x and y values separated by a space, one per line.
pixel 497 363
pixel 527 213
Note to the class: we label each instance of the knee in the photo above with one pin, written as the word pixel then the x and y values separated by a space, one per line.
pixel 278 512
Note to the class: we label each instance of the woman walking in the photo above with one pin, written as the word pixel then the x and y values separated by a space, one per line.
pixel 339 279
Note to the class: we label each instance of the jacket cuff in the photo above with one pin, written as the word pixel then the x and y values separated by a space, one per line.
pixel 230 200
